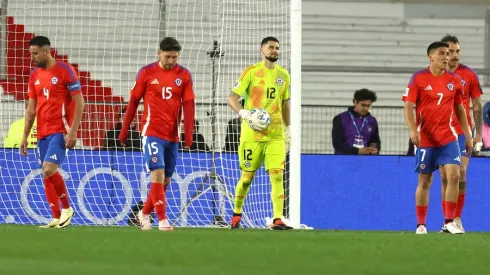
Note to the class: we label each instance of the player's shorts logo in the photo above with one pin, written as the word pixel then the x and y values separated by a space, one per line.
pixel 422 166
pixel 463 82
pixel 178 81
pixel 279 81
pixel 54 80
pixel 154 159
pixel 450 86
pixel 248 164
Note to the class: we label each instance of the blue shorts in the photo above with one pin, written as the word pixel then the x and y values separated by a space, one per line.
pixel 51 149
pixel 427 160
pixel 462 145
pixel 160 154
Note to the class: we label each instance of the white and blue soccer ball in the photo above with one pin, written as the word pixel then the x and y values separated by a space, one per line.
pixel 261 116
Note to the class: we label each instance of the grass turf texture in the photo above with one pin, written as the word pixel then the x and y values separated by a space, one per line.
pixel 122 250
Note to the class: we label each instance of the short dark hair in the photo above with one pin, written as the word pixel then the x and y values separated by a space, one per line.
pixel 450 38
pixel 170 44
pixel 365 94
pixel 40 41
pixel 267 39
pixel 436 45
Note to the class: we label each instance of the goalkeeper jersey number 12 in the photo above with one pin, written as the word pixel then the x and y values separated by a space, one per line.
pixel 264 88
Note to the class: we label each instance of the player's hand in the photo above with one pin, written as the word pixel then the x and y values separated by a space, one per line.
pixel 251 120
pixel 469 146
pixel 477 142
pixel 123 136
pixel 23 147
pixel 287 139
pixel 415 137
pixel 71 139
pixel 368 151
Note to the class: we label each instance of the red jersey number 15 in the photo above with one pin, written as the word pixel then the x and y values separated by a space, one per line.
pixel 166 92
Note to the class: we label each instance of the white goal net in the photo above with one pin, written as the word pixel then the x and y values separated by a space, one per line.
pixel 107 41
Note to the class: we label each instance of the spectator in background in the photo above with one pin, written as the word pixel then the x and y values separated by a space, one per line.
pixel 232 138
pixel 486 127
pixel 199 145
pixel 16 132
pixel 111 138
pixel 355 131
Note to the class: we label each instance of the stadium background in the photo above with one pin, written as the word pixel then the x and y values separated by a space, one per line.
pixel 346 46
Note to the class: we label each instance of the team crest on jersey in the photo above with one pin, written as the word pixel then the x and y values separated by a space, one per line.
pixel 54 80
pixel 279 81
pixel 463 82
pixel 450 86
pixel 248 164
pixel 178 81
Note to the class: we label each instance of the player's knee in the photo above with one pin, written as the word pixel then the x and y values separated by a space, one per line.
pixel 462 173
pixel 157 175
pixel 49 169
pixel 276 176
pixel 425 182
pixel 247 177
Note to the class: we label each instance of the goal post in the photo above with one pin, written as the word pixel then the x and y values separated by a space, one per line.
pixel 107 42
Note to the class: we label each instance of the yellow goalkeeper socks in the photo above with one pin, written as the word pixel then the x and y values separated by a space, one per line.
pixel 241 191
pixel 277 192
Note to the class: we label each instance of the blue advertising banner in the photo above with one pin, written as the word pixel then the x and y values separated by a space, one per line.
pixel 337 192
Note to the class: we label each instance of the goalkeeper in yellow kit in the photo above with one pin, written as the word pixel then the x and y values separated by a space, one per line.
pixel 263 85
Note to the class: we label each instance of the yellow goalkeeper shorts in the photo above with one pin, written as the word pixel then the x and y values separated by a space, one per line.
pixel 253 154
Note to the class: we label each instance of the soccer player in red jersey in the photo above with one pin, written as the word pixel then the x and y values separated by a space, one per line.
pixel 166 89
pixel 471 89
pixel 53 85
pixel 436 93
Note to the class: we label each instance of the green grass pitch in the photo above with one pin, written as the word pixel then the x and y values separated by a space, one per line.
pixel 122 250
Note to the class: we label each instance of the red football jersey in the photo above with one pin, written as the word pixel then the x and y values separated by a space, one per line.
pixel 471 89
pixel 434 98
pixel 163 93
pixel 53 89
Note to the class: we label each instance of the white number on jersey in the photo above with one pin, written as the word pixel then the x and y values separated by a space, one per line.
pixel 46 92
pixel 166 92
pixel 440 98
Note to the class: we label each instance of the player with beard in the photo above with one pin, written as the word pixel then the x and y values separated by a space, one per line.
pixel 53 87
pixel 263 85
pixel 471 89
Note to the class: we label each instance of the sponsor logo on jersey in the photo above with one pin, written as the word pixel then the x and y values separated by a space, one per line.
pixel 178 81
pixel 54 80
pixel 279 81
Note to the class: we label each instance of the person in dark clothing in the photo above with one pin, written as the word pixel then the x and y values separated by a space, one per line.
pixel 233 131
pixel 355 131
pixel 199 145
pixel 111 138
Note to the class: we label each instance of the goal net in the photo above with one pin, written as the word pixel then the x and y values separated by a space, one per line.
pixel 108 41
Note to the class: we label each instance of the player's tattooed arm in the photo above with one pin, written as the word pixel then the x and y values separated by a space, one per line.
pixel 478 115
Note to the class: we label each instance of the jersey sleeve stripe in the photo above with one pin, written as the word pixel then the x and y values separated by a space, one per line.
pixel 70 70
pixel 144 68
pixel 246 71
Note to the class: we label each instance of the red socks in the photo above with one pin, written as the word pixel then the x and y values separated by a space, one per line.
pixel 421 211
pixel 449 210
pixel 52 198
pixel 459 205
pixel 157 194
pixel 60 187
pixel 148 207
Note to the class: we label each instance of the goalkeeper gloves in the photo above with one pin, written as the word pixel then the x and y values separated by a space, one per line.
pixel 478 146
pixel 287 138
pixel 251 120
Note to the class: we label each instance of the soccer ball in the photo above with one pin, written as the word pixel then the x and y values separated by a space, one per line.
pixel 261 116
